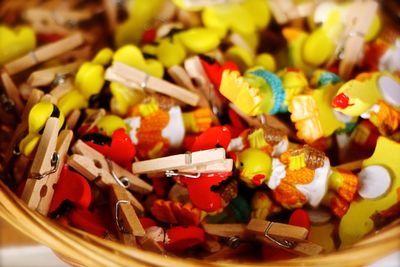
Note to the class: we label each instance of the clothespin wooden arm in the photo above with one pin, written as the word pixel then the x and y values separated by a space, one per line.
pixel 55 21
pixel 359 20
pixel 46 166
pixel 285 236
pixel 283 10
pixel 126 219
pixel 12 91
pixel 94 166
pixel 179 162
pixel 44 53
pixel 132 77
pixel 50 75
pixel 226 230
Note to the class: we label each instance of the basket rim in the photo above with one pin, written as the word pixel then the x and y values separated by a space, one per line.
pixel 80 247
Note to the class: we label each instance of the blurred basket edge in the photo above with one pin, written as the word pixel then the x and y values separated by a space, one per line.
pixel 79 248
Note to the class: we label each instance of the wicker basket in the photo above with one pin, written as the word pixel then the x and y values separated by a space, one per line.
pixel 79 248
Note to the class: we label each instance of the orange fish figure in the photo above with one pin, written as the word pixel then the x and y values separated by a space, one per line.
pixel 156 131
pixel 297 177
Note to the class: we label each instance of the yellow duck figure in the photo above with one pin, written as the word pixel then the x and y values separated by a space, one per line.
pixel 373 96
pixel 37 119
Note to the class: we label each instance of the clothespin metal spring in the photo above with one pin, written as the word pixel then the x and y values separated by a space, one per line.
pixel 340 48
pixel 232 241
pixel 60 79
pixel 171 173
pixel 55 160
pixel 188 161
pixel 282 243
pixel 122 181
pixel 120 227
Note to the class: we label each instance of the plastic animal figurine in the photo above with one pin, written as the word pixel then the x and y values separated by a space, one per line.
pixel 299 176
pixel 373 96
pixel 89 81
pixel 37 119
pixel 15 42
pixel 311 112
pixel 156 128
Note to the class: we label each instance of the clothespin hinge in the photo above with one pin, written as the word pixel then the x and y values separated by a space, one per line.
pixel 282 243
pixel 171 173
pixel 122 181
pixel 54 162
pixel 120 227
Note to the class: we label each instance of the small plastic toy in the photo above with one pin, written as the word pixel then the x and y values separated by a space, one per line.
pixel 298 176
pixel 15 42
pixel 379 197
pixel 156 130
pixel 89 81
pixel 374 96
pixel 37 119
pixel 311 113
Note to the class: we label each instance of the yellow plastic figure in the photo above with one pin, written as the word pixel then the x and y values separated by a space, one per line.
pixel 15 42
pixel 363 212
pixel 89 81
pixel 374 96
pixel 37 119
pixel 311 112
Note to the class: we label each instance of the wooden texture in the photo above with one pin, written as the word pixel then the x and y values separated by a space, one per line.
pixel 182 162
pixel 128 219
pixel 92 164
pixel 132 77
pixel 44 53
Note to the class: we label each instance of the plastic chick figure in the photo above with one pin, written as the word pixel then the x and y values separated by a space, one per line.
pixel 373 96
pixel 158 128
pixel 298 176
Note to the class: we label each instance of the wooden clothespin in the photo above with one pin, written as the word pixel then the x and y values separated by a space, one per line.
pixel 44 53
pixel 181 78
pixel 55 21
pixel 81 53
pixel 285 11
pixel 285 236
pixel 53 75
pixel 190 164
pixel 46 166
pixel 288 237
pixel 22 127
pixel 134 78
pixel 12 92
pixel 226 230
pixel 126 220
pixel 95 167
pixel 350 45
pixel 111 9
